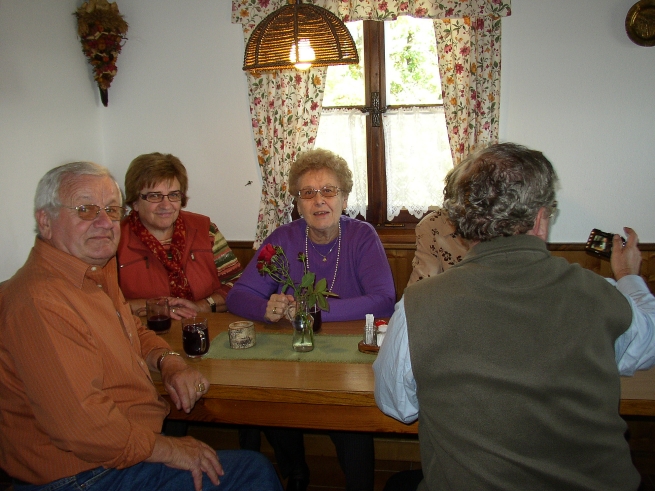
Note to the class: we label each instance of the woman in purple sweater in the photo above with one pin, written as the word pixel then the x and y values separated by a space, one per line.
pixel 361 276
pixel 349 255
pixel 344 251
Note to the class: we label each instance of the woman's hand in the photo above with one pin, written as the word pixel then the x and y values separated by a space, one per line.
pixel 203 305
pixel 277 305
pixel 181 308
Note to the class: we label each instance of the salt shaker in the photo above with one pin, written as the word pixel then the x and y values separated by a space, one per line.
pixel 369 331
pixel 381 331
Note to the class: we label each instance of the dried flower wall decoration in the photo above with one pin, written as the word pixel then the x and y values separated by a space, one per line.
pixel 102 31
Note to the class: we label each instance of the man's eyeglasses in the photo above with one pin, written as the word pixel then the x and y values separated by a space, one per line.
pixel 553 210
pixel 159 197
pixel 91 212
pixel 326 192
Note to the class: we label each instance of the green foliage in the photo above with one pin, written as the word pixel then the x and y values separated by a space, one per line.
pixel 412 68
pixel 412 65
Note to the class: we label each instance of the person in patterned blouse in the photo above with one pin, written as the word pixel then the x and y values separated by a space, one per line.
pixel 438 247
pixel 167 252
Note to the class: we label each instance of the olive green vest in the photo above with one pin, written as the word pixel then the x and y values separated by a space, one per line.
pixel 513 354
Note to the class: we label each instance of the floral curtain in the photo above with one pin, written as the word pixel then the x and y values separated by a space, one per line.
pixel 285 107
pixel 469 65
pixel 251 12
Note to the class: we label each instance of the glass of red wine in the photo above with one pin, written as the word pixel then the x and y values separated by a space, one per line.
pixel 316 314
pixel 195 336
pixel 158 315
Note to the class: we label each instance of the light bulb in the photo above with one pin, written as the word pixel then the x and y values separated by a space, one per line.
pixel 305 54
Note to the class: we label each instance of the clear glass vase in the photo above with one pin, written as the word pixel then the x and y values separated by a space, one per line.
pixel 303 322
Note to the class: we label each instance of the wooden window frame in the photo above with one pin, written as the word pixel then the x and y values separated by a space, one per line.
pixel 375 82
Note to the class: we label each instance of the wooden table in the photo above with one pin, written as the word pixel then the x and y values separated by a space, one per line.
pixel 324 396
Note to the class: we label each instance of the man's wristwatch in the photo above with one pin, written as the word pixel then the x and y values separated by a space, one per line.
pixel 211 303
pixel 164 355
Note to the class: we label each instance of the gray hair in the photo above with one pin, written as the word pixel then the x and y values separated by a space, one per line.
pixel 47 191
pixel 317 159
pixel 498 191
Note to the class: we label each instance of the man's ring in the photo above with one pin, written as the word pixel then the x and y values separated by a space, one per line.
pixel 275 310
pixel 173 310
pixel 200 387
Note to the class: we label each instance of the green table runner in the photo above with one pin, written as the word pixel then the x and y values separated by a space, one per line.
pixel 330 348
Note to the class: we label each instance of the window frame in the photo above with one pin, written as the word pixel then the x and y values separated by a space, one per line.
pixel 375 82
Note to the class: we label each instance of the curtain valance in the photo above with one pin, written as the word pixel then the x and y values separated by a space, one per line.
pixel 249 13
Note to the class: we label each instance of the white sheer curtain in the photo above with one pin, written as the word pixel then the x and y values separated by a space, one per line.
pixel 344 132
pixel 418 157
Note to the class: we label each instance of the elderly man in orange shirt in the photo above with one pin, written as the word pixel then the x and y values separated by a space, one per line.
pixel 78 408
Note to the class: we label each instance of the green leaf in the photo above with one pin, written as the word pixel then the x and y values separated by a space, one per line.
pixel 321 286
pixel 322 303
pixel 307 280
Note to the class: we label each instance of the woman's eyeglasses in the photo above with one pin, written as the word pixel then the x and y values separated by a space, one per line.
pixel 159 197
pixel 91 212
pixel 326 192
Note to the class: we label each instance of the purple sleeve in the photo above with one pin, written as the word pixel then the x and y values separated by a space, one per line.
pixel 249 295
pixel 368 287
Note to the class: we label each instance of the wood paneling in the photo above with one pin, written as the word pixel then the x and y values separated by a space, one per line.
pixel 400 252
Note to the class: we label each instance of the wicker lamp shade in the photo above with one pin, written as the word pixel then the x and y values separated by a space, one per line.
pixel 302 32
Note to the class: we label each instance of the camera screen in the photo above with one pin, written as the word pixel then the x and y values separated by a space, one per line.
pixel 601 243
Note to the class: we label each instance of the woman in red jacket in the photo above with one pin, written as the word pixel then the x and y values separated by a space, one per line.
pixel 167 252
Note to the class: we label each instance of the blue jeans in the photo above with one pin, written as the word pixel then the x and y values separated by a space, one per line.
pixel 244 471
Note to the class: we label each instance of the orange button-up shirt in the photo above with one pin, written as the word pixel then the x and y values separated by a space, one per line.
pixel 75 390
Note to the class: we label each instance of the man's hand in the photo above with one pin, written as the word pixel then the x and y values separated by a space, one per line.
pixel 183 383
pixel 625 259
pixel 187 453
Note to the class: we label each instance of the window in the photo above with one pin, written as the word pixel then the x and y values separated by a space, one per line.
pixel 399 156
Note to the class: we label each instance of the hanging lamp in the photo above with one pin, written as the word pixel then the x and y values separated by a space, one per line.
pixel 299 35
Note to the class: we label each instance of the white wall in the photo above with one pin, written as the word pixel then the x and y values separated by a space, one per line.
pixel 574 86
pixel 181 89
pixel 48 112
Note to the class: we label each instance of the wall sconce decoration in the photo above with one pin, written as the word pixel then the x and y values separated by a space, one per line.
pixel 640 23
pixel 102 31
pixel 299 35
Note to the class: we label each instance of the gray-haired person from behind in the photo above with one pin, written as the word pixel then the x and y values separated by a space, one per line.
pixel 510 359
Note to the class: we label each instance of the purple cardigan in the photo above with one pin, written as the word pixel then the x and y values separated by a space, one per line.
pixel 363 282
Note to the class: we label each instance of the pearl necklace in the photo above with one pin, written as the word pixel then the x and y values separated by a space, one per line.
pixel 336 266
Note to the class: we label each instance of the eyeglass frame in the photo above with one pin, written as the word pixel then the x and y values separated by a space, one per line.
pixel 145 196
pixel 98 208
pixel 338 190
pixel 554 210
